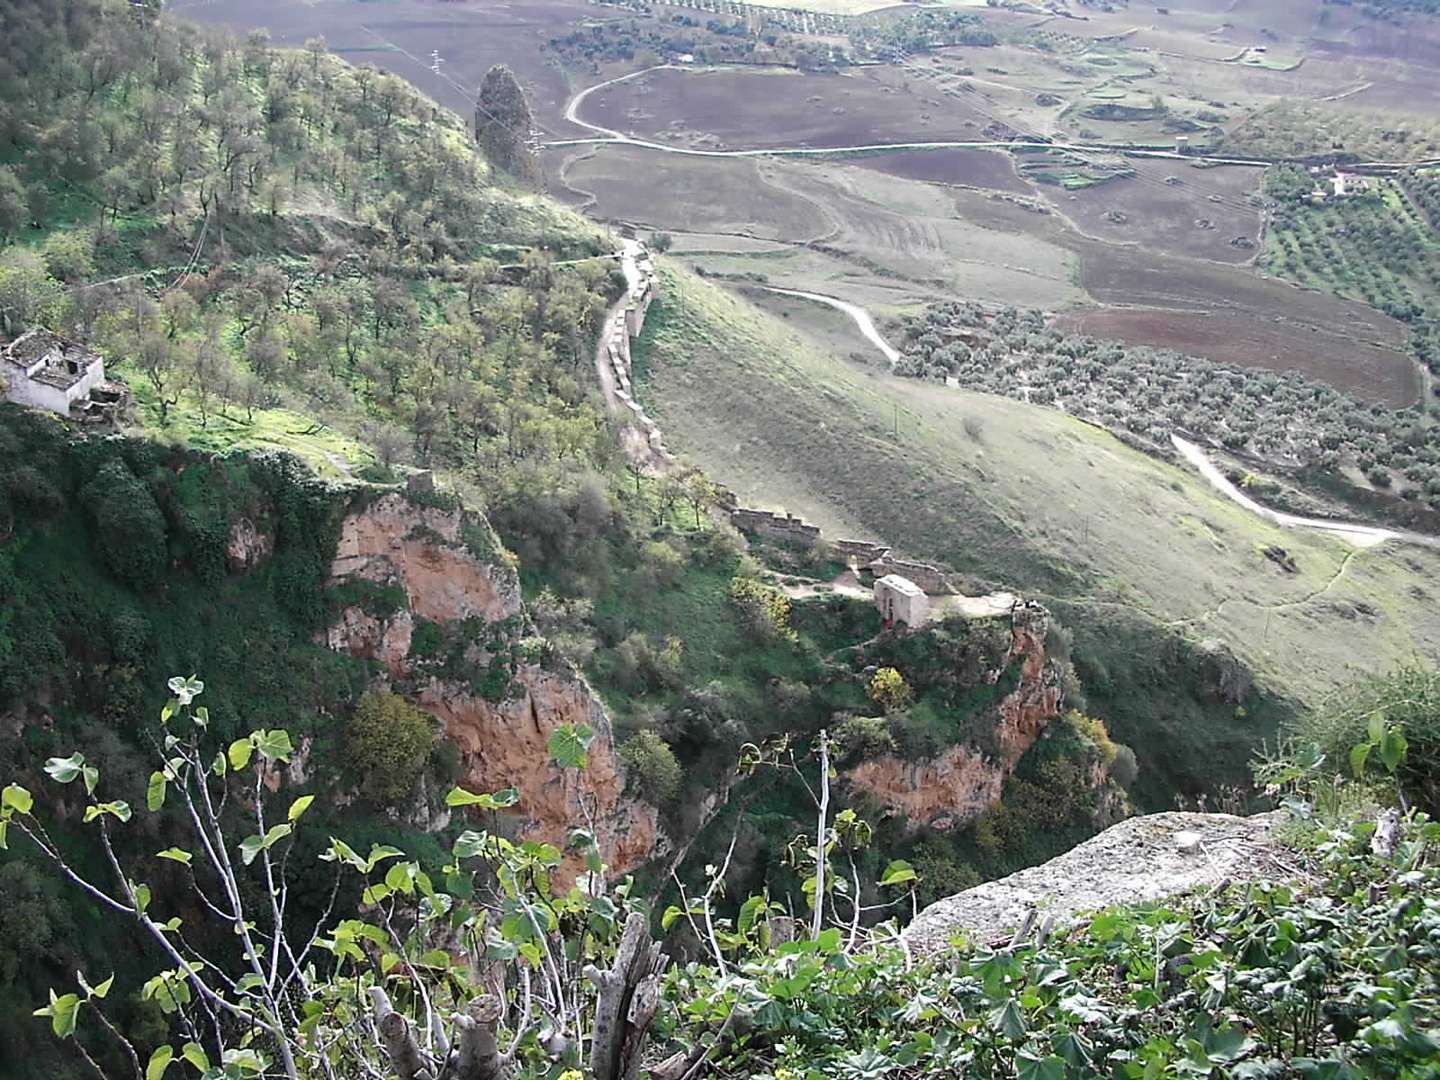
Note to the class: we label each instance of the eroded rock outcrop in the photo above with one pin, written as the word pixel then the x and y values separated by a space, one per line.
pixel 1141 859
pixel 962 782
pixel 405 565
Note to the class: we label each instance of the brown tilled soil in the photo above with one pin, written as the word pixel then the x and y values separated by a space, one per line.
pixel 971 168
pixel 470 37
pixel 1174 219
pixel 1369 372
pixel 760 109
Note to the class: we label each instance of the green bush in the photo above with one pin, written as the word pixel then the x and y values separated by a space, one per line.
pixel 652 766
pixel 387 743
pixel 1407 698
pixel 129 528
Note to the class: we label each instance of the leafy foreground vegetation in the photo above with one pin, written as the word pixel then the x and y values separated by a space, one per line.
pixel 493 965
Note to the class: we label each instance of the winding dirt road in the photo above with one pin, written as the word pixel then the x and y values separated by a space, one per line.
pixel 610 135
pixel 1362 536
pixel 855 311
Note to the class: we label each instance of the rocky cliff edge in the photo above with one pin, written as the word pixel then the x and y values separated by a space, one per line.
pixel 453 576
pixel 1139 860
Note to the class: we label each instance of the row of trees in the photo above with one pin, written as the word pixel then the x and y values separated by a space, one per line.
pixel 1154 392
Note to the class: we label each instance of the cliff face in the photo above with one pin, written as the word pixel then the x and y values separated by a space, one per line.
pixel 959 784
pixel 438 561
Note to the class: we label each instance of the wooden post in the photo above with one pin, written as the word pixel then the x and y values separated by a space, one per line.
pixel 627 1000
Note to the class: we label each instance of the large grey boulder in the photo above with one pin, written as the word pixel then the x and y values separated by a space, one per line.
pixel 1140 859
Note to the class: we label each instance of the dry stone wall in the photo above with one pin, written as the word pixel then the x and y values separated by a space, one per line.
pixel 625 323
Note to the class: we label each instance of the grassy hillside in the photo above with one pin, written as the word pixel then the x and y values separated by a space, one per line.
pixel 277 249
pixel 1136 552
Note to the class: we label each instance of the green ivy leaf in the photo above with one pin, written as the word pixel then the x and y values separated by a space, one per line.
pixel 299 806
pixel 569 745
pixel 343 852
pixel 185 689
pixel 95 991
pixel 1358 755
pixel 458 796
pixel 274 745
pixel 749 913
pixel 1029 1067
pixel 175 854
pixel 65 770
pixel 253 845
pixel 17 799
pixel 62 1011
pixel 1009 1020
pixel 195 1055
pixel 239 753
pixel 155 792
pixel 159 1061
pixel 379 853
pixel 1392 749
pixel 470 844
pixel 117 809
pixel 1376 727
pixel 899 872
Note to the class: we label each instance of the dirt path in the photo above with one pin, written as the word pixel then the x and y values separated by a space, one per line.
pixel 855 311
pixel 1362 536
pixel 610 135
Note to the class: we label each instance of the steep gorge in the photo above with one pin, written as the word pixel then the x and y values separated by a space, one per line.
pixel 427 554
pixel 963 781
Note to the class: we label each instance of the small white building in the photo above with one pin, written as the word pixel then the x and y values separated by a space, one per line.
pixel 50 372
pixel 901 600
pixel 1347 184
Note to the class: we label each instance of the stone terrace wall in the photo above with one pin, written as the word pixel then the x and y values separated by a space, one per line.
pixel 864 554
pixel 624 326
pixel 784 530
pixel 930 578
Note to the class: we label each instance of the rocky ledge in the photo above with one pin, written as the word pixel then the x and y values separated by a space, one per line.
pixel 1141 859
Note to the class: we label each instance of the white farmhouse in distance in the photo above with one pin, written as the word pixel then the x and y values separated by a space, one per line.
pixel 901 600
pixel 50 372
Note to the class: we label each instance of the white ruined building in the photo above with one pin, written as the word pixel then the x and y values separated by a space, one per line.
pixel 50 372
pixel 901 600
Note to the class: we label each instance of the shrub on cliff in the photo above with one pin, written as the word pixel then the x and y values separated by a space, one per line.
pixel 652 766
pixel 889 690
pixel 129 528
pixel 1406 699
pixel 387 743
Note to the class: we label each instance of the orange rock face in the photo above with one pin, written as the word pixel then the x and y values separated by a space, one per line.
pixel 959 784
pixel 395 543
pixel 505 744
